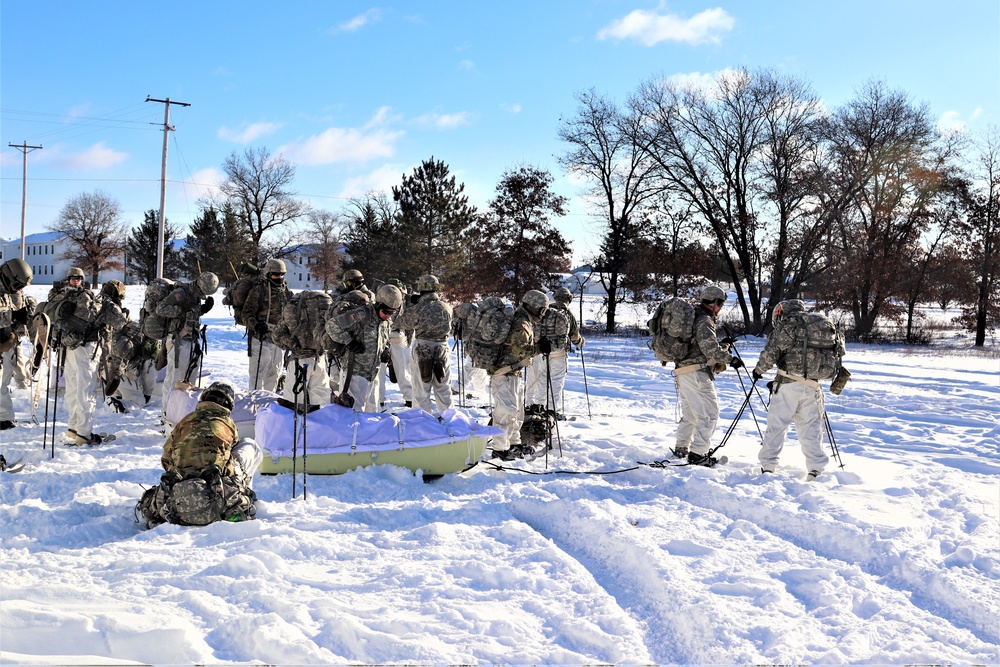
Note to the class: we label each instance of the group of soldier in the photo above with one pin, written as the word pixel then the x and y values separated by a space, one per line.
pixel 362 337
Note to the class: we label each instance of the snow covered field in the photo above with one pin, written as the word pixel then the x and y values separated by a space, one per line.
pixel 894 559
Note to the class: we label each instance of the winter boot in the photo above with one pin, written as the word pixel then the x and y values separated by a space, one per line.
pixel 813 474
pixel 7 424
pixel 504 455
pixel 681 451
pixel 701 460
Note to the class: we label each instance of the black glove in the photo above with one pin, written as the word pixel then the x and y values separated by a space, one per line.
pixel 260 328
pixel 414 298
pixel 207 306
pixel 728 340
pixel 19 316
pixel 356 346
pixel 736 362
pixel 756 375
pixel 385 356
pixel 545 346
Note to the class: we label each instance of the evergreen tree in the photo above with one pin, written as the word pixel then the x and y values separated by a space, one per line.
pixel 515 247
pixel 375 242
pixel 434 217
pixel 141 249
pixel 217 242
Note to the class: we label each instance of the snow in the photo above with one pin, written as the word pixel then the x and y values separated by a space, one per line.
pixel 893 559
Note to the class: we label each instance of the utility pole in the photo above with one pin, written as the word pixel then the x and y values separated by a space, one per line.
pixel 24 148
pixel 160 250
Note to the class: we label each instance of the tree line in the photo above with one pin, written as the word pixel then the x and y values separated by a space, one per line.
pixel 867 208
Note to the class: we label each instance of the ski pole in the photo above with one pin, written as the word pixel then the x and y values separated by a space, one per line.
pixel 60 360
pixel 833 441
pixel 260 348
pixel 549 394
pixel 48 388
pixel 295 426
pixel 305 432
pixel 586 389
pixel 732 427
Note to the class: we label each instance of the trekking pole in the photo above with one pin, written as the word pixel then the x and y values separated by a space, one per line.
pixel 305 431
pixel 736 352
pixel 204 351
pixel 295 427
pixel 60 360
pixel 260 348
pixel 550 395
pixel 48 388
pixel 586 389
pixel 747 392
pixel 833 441
pixel 460 360
pixel 732 427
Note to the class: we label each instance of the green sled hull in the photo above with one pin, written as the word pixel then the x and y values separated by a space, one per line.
pixel 434 460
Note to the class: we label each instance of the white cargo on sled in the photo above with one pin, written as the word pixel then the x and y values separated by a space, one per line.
pixel 184 397
pixel 334 440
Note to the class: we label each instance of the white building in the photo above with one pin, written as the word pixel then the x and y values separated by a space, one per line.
pixel 42 252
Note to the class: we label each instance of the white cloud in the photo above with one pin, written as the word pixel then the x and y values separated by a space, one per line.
pixel 346 144
pixel 98 156
pixel 467 64
pixel 707 81
pixel 381 179
pixel 511 108
pixel 951 121
pixel 247 132
pixel 203 184
pixel 78 110
pixel 650 28
pixel 444 121
pixel 359 21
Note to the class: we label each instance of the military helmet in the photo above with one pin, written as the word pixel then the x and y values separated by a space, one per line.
pixel 713 293
pixel 357 297
pixel 15 274
pixel 428 283
pixel 207 283
pixel 535 302
pixel 222 393
pixel 274 266
pixel 353 274
pixel 389 296
pixel 115 289
pixel 75 272
pixel 562 295
pixel 787 307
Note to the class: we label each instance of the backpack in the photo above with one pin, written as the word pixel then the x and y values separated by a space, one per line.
pixel 197 498
pixel 487 331
pixel 153 325
pixel 75 315
pixel 236 294
pixel 132 346
pixel 305 317
pixel 823 347
pixel 672 329
pixel 554 326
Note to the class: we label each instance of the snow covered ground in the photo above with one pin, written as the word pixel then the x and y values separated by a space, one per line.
pixel 893 559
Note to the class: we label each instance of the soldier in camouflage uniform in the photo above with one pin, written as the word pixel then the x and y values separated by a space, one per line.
pixel 695 378
pixel 184 306
pixel 15 275
pixel 354 281
pixel 546 377
pixel 793 396
pixel 475 379
pixel 399 353
pixel 262 313
pixel 505 376
pixel 363 333
pixel 430 368
pixel 208 436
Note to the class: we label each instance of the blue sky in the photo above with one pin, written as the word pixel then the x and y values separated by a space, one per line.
pixel 357 94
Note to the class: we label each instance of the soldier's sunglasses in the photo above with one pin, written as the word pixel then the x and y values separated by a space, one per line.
pixel 387 310
pixel 277 275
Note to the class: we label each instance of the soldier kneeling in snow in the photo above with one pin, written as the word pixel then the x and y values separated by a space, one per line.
pixel 209 469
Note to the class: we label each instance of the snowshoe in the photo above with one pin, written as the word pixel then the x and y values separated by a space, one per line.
pixel 705 460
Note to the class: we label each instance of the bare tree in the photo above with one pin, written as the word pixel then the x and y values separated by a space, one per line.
pixel 374 241
pixel 325 253
pixel 97 233
pixel 258 188
pixel 606 150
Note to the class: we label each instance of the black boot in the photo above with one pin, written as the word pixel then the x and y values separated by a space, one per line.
pixel 701 460
pixel 7 424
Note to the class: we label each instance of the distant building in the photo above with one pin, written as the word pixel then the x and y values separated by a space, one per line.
pixel 42 252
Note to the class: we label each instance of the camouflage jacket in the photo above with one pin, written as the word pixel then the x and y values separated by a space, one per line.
pixel 183 305
pixel 520 344
pixel 430 318
pixel 372 331
pixel 574 329
pixel 6 309
pixel 704 348
pixel 786 348
pixel 202 438
pixel 264 304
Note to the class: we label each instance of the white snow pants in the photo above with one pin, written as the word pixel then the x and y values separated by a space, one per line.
pixel 81 388
pixel 317 387
pixel 699 411
pixel 399 351
pixel 137 384
pixel 10 359
pixel 538 378
pixel 476 380
pixel 364 392
pixel 439 388
pixel 265 365
pixel 804 404
pixel 508 410
pixel 175 370
pixel 247 457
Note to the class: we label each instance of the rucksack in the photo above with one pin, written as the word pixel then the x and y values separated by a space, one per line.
pixel 155 326
pixel 75 315
pixel 197 498
pixel 132 346
pixel 822 343
pixel 554 326
pixel 672 329
pixel 236 294
pixel 487 331
pixel 305 317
